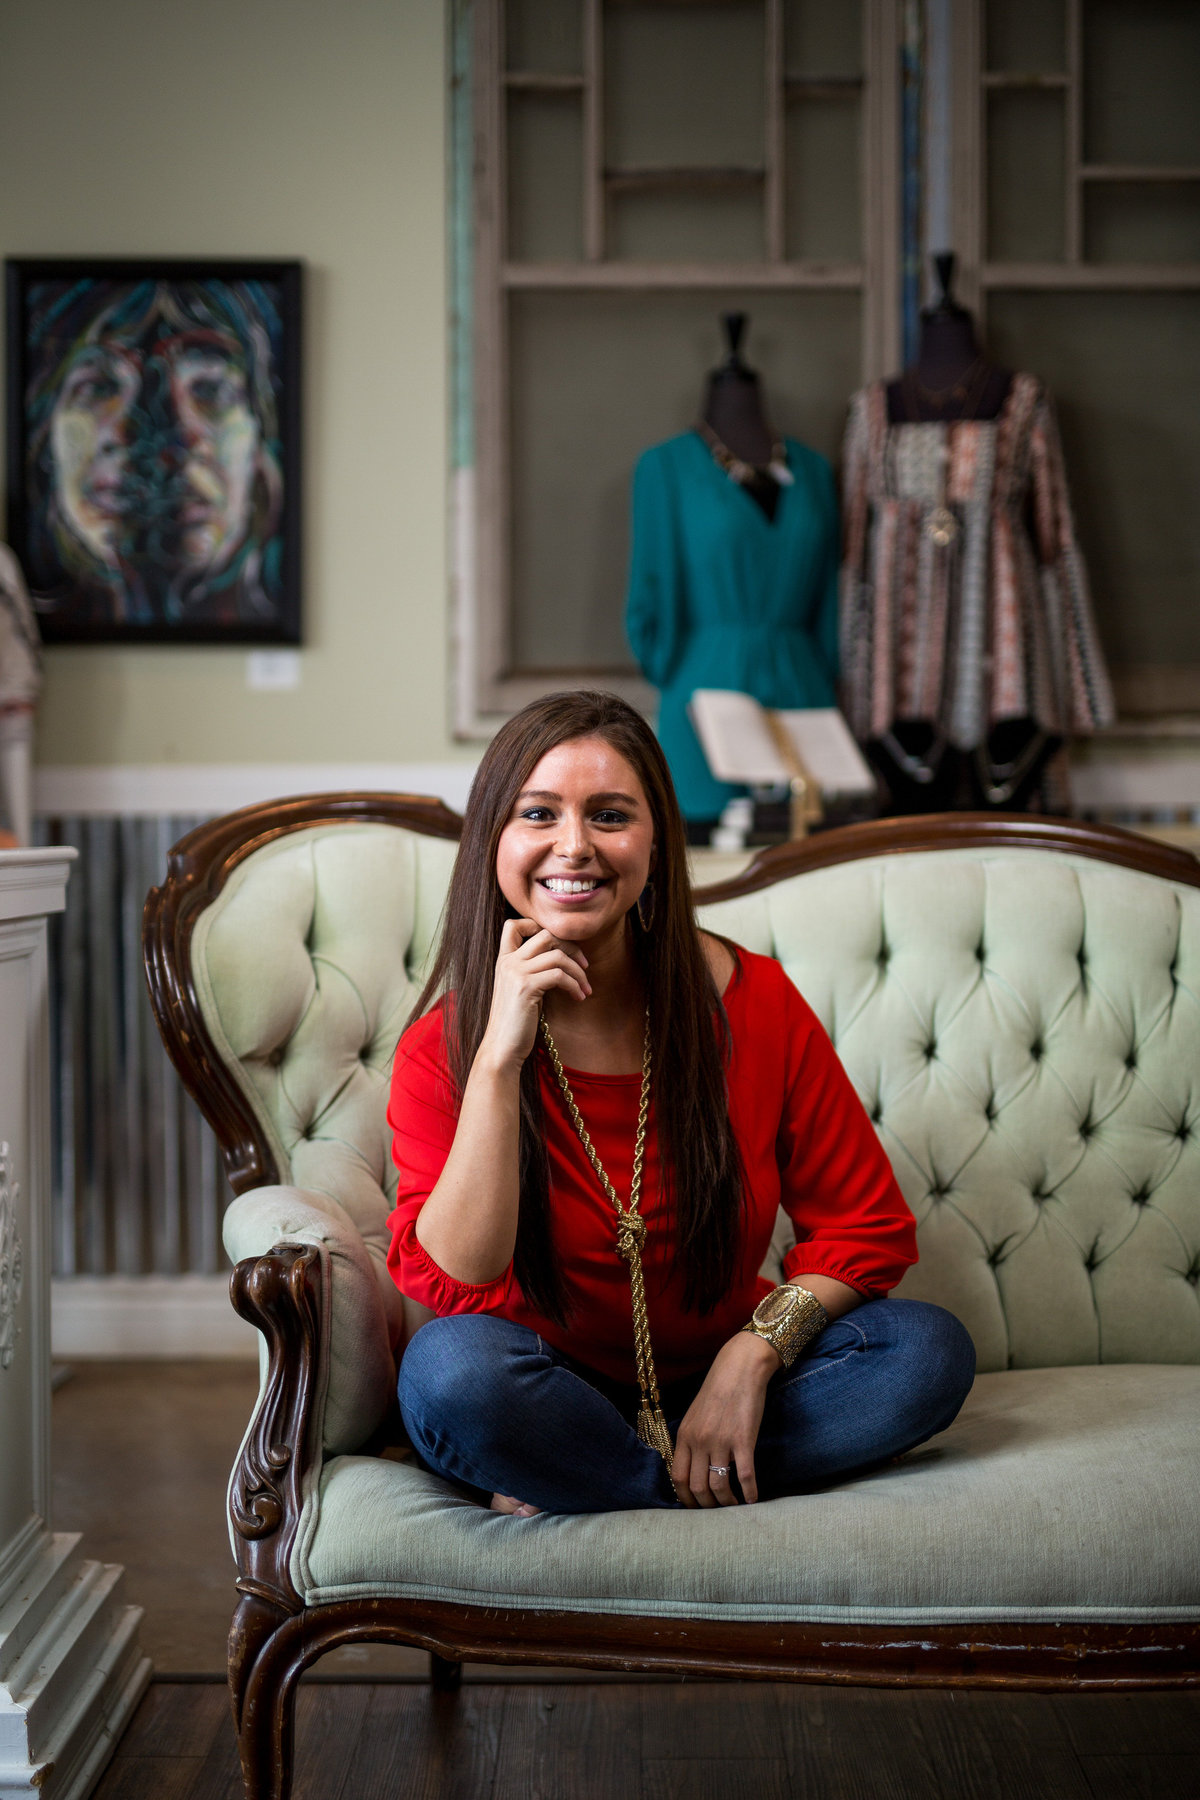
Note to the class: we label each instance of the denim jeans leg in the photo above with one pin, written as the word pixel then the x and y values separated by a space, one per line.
pixel 875 1383
pixel 491 1404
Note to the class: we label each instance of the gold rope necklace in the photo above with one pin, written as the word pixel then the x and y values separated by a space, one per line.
pixel 631 1236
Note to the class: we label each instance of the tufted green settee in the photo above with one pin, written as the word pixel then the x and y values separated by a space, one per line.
pixel 1018 1004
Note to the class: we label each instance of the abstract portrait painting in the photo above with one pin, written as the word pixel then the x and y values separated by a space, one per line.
pixel 153 448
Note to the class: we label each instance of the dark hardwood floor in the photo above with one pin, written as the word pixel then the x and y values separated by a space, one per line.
pixel 674 1741
pixel 141 1454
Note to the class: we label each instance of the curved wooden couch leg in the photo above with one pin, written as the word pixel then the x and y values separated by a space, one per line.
pixel 278 1293
pixel 445 1675
pixel 263 1674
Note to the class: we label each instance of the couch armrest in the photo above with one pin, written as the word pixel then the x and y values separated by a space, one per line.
pixel 279 1294
pixel 355 1372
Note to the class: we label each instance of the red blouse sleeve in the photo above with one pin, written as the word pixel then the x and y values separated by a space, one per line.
pixel 852 1222
pixel 423 1115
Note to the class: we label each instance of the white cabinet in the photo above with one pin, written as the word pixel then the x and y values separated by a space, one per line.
pixel 71 1669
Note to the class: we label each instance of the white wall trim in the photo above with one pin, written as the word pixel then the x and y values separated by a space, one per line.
pixel 155 1317
pixel 156 788
pixel 1133 772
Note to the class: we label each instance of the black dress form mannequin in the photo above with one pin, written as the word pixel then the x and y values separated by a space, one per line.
pixel 732 409
pixel 953 380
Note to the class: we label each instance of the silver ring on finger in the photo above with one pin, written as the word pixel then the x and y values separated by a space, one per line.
pixel 718 1468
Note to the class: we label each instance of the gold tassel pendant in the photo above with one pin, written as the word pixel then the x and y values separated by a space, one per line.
pixel 654 1433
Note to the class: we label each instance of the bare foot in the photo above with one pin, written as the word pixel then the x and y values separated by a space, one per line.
pixel 516 1509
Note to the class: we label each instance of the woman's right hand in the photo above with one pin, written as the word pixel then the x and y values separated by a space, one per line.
pixel 532 963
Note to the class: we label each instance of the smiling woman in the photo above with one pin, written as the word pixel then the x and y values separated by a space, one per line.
pixel 598 1111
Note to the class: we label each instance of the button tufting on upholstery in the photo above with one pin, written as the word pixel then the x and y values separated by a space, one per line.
pixel 1014 916
pixel 1131 1058
pixel 1091 1261
pixel 1087 1126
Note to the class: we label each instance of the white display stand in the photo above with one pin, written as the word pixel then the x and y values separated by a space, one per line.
pixel 71 1668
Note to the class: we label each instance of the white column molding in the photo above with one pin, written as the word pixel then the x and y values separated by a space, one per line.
pixel 71 1670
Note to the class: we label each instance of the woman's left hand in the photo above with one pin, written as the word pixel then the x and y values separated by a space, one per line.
pixel 720 1428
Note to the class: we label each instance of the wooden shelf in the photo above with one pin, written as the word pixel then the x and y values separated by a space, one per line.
pixel 700 180
pixel 1004 78
pixel 632 275
pixel 1137 172
pixel 530 81
pixel 1094 277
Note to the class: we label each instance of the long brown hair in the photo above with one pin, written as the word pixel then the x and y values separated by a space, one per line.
pixel 689 1034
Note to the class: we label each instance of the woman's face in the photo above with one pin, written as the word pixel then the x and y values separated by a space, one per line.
pixel 579 843
pixel 186 402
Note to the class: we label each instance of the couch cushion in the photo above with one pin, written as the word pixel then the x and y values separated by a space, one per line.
pixel 1025 1030
pixel 1056 1494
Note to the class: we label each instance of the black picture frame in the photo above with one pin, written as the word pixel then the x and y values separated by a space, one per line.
pixel 153 447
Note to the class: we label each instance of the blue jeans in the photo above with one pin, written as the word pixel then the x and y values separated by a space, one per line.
pixel 494 1407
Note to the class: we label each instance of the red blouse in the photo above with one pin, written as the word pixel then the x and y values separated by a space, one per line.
pixel 805 1141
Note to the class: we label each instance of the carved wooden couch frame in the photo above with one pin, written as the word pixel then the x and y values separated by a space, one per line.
pixel 274 1635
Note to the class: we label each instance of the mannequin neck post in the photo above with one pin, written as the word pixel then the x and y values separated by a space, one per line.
pixel 733 409
pixel 948 347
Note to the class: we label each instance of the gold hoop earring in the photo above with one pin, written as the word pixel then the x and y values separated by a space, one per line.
pixel 645 907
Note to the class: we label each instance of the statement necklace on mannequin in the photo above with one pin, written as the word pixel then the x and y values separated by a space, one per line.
pixel 746 472
pixel 963 394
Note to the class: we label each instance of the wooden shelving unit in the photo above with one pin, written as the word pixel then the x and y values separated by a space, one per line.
pixel 493 683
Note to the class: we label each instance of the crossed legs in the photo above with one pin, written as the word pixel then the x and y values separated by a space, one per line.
pixel 490 1405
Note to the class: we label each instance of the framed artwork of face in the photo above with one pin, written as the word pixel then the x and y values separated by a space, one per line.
pixel 153 448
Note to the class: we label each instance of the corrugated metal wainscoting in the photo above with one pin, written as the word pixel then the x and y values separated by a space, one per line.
pixel 138 1184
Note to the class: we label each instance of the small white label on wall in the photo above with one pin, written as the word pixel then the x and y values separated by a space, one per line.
pixel 273 669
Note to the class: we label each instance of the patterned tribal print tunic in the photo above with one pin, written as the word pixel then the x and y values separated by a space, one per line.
pixel 994 623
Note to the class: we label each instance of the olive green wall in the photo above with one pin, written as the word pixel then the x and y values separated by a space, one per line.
pixel 302 128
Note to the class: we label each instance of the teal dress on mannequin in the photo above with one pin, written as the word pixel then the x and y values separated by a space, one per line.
pixel 720 596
